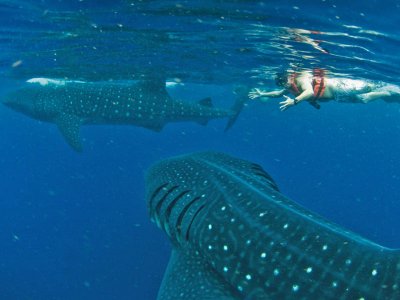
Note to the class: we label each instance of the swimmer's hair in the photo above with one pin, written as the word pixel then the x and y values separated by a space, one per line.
pixel 281 78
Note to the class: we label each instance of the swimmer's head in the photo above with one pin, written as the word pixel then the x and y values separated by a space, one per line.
pixel 281 79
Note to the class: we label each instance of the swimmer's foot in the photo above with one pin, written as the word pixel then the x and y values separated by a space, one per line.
pixel 368 97
pixel 364 98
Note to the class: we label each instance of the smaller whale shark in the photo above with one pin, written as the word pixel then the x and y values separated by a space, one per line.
pixel 235 236
pixel 70 104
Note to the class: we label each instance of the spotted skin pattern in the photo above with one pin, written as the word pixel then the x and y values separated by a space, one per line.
pixel 70 104
pixel 235 236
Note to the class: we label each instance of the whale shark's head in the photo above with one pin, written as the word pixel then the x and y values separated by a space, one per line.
pixel 32 100
pixel 19 100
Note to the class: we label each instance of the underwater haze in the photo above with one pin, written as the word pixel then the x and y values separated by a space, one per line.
pixel 75 225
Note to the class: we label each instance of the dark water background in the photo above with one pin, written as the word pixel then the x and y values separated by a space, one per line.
pixel 75 226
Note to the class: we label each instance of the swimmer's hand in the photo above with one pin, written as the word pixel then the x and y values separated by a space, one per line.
pixel 264 96
pixel 255 93
pixel 287 103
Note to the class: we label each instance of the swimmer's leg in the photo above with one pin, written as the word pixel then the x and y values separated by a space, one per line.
pixel 386 92
pixel 371 96
pixel 394 91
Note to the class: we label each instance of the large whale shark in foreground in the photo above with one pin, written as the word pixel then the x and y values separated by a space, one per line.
pixel 235 236
pixel 70 104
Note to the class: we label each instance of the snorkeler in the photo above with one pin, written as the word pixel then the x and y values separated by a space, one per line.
pixel 315 87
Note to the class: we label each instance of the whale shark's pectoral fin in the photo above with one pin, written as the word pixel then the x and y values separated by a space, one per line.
pixel 189 277
pixel 69 126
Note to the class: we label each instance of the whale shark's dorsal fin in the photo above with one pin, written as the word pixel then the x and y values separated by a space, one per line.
pixel 154 85
pixel 189 277
pixel 206 102
pixel 69 126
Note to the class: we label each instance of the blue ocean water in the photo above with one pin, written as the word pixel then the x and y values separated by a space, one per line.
pixel 75 226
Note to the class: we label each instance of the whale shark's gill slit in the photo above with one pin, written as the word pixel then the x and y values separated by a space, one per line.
pixel 172 204
pixel 155 193
pixel 159 204
pixel 183 213
pixel 187 235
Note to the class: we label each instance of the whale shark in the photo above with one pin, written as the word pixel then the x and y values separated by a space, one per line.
pixel 235 236
pixel 72 103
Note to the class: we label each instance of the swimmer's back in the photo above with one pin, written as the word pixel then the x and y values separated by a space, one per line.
pixel 344 87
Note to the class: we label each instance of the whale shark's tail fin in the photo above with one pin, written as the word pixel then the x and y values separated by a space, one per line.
pixel 207 102
pixel 241 98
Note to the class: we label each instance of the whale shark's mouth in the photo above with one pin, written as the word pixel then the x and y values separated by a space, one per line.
pixel 17 102
pixel 7 101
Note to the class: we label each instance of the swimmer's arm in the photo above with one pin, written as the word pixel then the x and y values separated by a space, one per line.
pixel 257 93
pixel 307 94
